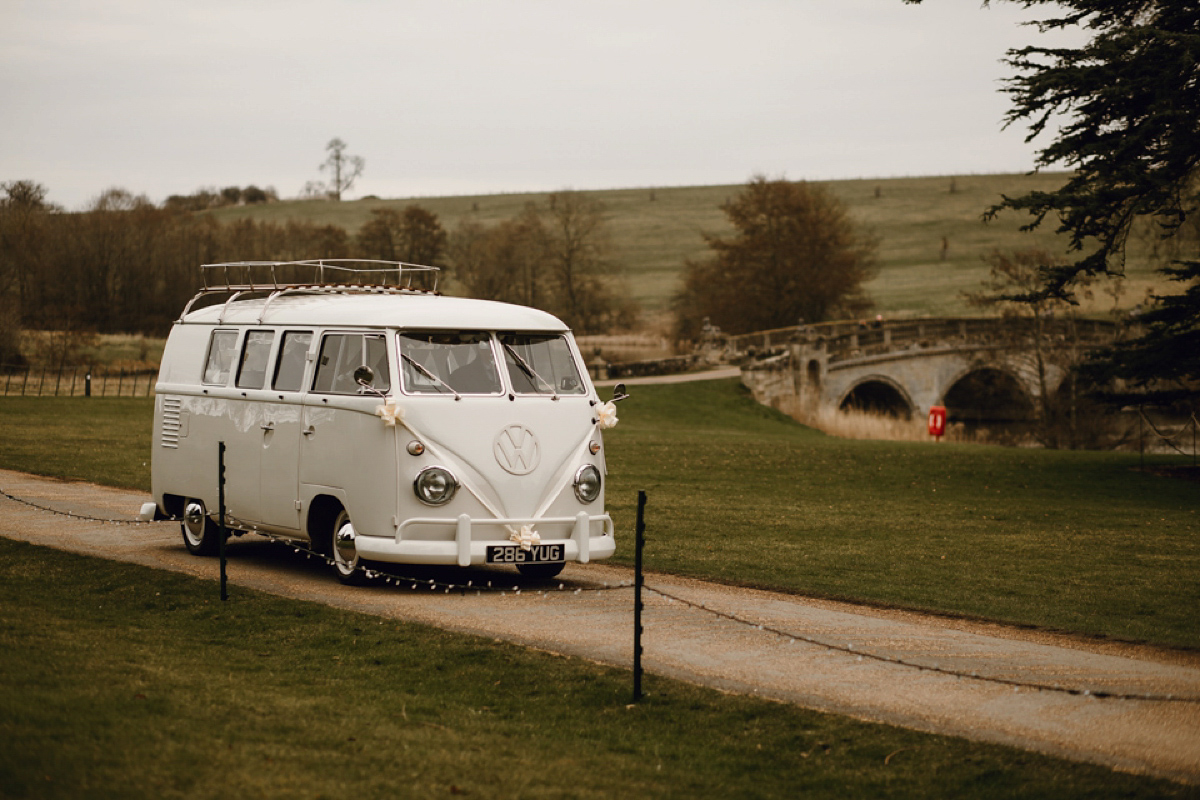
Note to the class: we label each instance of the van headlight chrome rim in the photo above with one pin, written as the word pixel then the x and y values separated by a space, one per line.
pixel 587 483
pixel 435 486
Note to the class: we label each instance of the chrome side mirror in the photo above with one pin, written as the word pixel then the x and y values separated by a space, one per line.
pixel 619 393
pixel 364 376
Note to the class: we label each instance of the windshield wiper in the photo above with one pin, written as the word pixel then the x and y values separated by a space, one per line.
pixel 420 368
pixel 528 370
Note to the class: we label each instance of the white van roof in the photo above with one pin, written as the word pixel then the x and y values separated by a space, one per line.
pixel 397 310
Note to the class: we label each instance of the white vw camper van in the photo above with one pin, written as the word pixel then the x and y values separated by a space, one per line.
pixel 377 422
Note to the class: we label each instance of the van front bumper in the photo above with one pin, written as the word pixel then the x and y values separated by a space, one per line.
pixel 464 550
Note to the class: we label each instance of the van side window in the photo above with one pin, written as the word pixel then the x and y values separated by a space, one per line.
pixel 252 372
pixel 342 353
pixel 220 358
pixel 540 363
pixel 289 370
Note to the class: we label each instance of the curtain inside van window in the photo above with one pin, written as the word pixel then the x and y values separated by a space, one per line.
pixel 289 371
pixel 252 372
pixel 220 358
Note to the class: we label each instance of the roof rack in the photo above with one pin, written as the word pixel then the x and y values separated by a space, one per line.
pixel 312 276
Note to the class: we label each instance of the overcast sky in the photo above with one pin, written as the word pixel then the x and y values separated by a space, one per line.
pixel 461 97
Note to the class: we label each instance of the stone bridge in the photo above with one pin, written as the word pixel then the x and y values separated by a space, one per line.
pixel 982 369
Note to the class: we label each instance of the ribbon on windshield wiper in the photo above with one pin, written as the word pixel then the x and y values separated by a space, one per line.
pixel 420 368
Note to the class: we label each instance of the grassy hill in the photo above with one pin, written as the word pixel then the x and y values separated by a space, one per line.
pixel 655 230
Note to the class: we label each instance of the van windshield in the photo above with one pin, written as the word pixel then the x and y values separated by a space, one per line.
pixel 540 363
pixel 449 363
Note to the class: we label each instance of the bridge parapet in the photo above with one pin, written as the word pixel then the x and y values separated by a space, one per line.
pixel 920 359
pixel 845 340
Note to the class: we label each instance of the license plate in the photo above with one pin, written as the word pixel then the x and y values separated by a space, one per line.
pixel 512 554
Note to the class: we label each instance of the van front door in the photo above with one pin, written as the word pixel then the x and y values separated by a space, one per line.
pixel 346 449
pixel 280 464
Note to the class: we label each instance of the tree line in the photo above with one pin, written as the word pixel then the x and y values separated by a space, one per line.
pixel 125 265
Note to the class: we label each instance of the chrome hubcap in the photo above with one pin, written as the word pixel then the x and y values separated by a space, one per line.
pixel 193 521
pixel 344 551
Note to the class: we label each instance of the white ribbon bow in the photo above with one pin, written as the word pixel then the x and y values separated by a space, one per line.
pixel 606 416
pixel 527 537
pixel 390 413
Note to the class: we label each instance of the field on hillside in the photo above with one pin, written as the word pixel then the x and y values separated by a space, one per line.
pixel 931 235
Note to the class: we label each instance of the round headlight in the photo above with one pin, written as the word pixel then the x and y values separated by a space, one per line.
pixel 587 484
pixel 435 486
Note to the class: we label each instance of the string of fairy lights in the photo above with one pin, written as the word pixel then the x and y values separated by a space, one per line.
pixel 503 588
pixel 72 514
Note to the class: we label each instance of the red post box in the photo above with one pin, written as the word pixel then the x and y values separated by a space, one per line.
pixel 937 421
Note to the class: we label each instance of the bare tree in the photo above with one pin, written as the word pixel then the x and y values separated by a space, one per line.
pixel 343 169
pixel 23 239
pixel 414 235
pixel 507 262
pixel 1052 348
pixel 554 258
pixel 579 247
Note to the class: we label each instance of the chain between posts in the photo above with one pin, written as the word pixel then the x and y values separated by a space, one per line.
pixel 864 654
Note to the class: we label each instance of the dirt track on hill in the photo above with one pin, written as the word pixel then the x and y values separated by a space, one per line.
pixel 827 656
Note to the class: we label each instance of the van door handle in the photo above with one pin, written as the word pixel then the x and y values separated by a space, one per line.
pixel 270 426
pixel 309 431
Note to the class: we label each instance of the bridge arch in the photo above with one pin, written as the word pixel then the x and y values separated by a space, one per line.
pixel 988 395
pixel 878 394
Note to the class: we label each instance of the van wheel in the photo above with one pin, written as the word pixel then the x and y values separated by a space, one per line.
pixel 346 563
pixel 540 571
pixel 200 534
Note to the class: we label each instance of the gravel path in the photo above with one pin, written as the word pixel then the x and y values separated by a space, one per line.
pixel 822 655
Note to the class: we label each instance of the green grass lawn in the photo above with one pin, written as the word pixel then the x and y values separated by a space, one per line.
pixel 655 230
pixel 124 682
pixel 1078 541
pixel 99 439
pixel 1075 541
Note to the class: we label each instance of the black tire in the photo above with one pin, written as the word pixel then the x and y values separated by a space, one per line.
pixel 541 571
pixel 201 536
pixel 347 566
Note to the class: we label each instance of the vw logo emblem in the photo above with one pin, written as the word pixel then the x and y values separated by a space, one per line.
pixel 517 450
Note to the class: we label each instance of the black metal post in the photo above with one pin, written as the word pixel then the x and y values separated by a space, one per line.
pixel 87 384
pixel 1141 436
pixel 639 543
pixel 221 532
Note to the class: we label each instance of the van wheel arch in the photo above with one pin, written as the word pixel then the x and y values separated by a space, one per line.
pixel 173 505
pixel 326 515
pixel 322 513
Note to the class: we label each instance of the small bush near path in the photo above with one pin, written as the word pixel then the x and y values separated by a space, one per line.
pixel 122 681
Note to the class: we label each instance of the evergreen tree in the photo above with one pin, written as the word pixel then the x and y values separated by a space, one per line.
pixel 1126 106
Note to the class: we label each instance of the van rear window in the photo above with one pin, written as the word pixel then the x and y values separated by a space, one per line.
pixel 220 358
